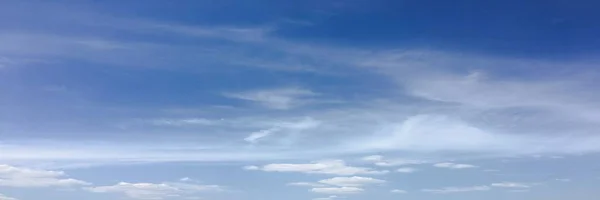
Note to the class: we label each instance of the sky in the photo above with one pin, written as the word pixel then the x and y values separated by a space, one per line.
pixel 299 100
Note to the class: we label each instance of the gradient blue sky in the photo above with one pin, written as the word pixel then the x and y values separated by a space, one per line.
pixel 300 100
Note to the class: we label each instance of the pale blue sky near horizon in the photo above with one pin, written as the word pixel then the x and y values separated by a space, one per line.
pixel 318 100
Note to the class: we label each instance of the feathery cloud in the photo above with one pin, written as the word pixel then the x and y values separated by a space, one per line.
pixel 337 167
pixel 152 191
pixel 454 165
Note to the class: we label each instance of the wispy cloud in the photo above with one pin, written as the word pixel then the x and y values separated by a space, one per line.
pixel 279 98
pixel 457 189
pixel 337 167
pixel 4 197
pixel 398 191
pixel 11 176
pixel 327 198
pixel 307 184
pixel 354 181
pixel 154 190
pixel 338 190
pixel 454 165
pixel 406 170
pixel 511 185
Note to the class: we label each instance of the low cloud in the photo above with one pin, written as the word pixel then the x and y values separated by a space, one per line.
pixel 407 170
pixel 338 190
pixel 355 181
pixel 335 167
pixel 11 176
pixel 155 191
pixel 457 189
pixel 398 191
pixel 454 165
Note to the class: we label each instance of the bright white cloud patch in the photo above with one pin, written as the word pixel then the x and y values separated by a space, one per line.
pixel 457 189
pixel 11 176
pixel 336 167
pixel 355 181
pixel 280 98
pixel 251 168
pixel 406 170
pixel 338 190
pixel 398 191
pixel 152 191
pixel 4 197
pixel 511 185
pixel 454 165
pixel 307 184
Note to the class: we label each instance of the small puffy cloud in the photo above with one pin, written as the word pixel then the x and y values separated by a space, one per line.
pixel 11 176
pixel 4 197
pixel 406 170
pixel 457 189
pixel 327 198
pixel 510 185
pixel 279 98
pixel 251 168
pixel 336 167
pixel 355 181
pixel 450 165
pixel 154 191
pixel 398 191
pixel 307 184
pixel 338 190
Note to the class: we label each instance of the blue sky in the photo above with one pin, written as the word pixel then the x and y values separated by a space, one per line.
pixel 321 100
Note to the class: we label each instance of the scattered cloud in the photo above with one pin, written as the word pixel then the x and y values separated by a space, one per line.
pixel 382 162
pixel 338 190
pixel 183 122
pixel 457 189
pixel 4 197
pixel 185 179
pixel 336 167
pixel 307 184
pixel 251 167
pixel 327 198
pixel 563 179
pixel 398 191
pixel 255 136
pixel 154 191
pixel 454 165
pixel 355 181
pixel 511 185
pixel 279 98
pixel 11 176
pixel 407 170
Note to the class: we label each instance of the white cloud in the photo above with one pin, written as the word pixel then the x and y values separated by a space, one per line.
pixel 337 167
pixel 398 191
pixel 511 185
pixel 251 167
pixel 11 176
pixel 255 136
pixel 326 198
pixel 154 191
pixel 383 162
pixel 185 179
pixel 373 158
pixel 454 165
pixel 279 98
pixel 354 181
pixel 4 197
pixel 563 179
pixel 307 184
pixel 406 170
pixel 457 189
pixel 338 190
pixel 286 127
pixel 183 122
